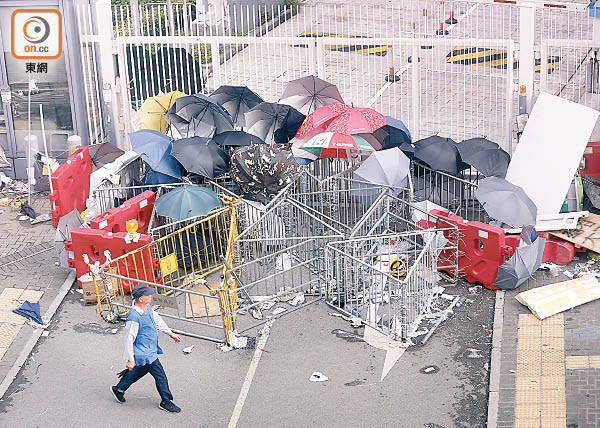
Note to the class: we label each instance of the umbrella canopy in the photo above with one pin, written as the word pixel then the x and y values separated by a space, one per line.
pixel 398 133
pixel 375 138
pixel 273 122
pixel 237 100
pixel 335 145
pixel 386 167
pixel 201 156
pixel 309 93
pixel 317 121
pixel 506 202
pixel 152 177
pixel 104 153
pixel 526 260
pixel 187 201
pixel 485 156
pixel 302 156
pixel 66 224
pixel 439 153
pixel 30 311
pixel 155 150
pixel 236 138
pixel 198 116
pixel 151 114
pixel 260 169
pixel 357 120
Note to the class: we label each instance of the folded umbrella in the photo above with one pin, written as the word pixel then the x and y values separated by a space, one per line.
pixel 506 202
pixel 30 311
pixel 155 150
pixel 236 138
pixel 485 156
pixel 201 156
pixel 187 201
pixel 66 224
pixel 309 93
pixel 441 154
pixel 104 153
pixel 273 122
pixel 524 262
pixel 198 115
pixel 237 100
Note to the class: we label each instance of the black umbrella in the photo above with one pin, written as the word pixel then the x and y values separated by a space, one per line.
pixel 309 93
pixel 236 138
pixel 104 153
pixel 198 116
pixel 201 156
pixel 272 121
pixel 166 70
pixel 485 156
pixel 441 154
pixel 237 100
pixel 398 136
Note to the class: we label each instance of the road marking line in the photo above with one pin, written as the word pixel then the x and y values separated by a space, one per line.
pixel 239 405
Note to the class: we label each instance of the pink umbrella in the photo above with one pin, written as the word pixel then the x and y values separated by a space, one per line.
pixel 317 120
pixel 356 120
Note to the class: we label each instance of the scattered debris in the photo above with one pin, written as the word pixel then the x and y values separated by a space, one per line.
pixel 430 369
pixel 45 333
pixel 354 321
pixel 26 210
pixel 188 350
pixel 554 269
pixel 268 304
pixel 40 218
pixel 447 297
pixel 278 311
pixel 298 299
pixel 114 331
pixel 318 377
pixel 474 353
pixel 475 289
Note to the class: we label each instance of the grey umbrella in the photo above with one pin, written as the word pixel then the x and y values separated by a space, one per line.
pixel 201 156
pixel 272 121
pixel 441 154
pixel 485 156
pixel 66 224
pixel 198 116
pixel 506 202
pixel 526 260
pixel 237 100
pixel 309 93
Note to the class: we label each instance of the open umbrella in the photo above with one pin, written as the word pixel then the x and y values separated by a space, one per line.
pixel 335 145
pixel 260 169
pixel 187 201
pixel 152 178
pixel 155 150
pixel 309 93
pixel 398 133
pixel 317 121
pixel 104 153
pixel 375 138
pixel 506 202
pixel 151 114
pixel 237 100
pixel 386 167
pixel 356 120
pixel 66 224
pixel 441 154
pixel 201 156
pixel 485 156
pixel 236 138
pixel 524 262
pixel 198 116
pixel 273 122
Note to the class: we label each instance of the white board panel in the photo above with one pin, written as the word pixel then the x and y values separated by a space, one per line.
pixel 550 149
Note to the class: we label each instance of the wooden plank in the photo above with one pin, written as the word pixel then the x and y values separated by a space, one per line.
pixel 587 233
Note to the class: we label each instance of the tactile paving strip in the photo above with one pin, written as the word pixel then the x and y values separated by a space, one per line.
pixel 11 323
pixel 540 398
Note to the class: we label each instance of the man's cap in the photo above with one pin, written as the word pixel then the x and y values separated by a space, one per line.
pixel 142 290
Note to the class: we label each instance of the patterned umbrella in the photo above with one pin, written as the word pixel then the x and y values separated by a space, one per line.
pixel 260 169
pixel 237 100
pixel 316 122
pixel 336 145
pixel 309 93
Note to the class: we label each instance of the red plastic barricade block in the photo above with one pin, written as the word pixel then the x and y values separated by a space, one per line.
pixel 481 247
pixel 94 242
pixel 591 158
pixel 71 184
pixel 139 208
pixel 555 251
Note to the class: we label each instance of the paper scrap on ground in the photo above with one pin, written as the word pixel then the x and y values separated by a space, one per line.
pixel 199 306
pixel 394 349
pixel 550 149
pixel 318 377
pixel 555 298
pixel 585 235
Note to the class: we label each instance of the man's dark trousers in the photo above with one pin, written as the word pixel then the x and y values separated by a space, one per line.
pixel 158 373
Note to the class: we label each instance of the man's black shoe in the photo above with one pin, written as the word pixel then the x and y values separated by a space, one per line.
pixel 119 395
pixel 169 406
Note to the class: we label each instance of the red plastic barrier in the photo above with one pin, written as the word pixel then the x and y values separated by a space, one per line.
pixel 592 160
pixel 94 242
pixel 71 184
pixel 556 250
pixel 139 208
pixel 481 247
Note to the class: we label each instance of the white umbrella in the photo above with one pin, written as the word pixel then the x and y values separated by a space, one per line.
pixel 386 167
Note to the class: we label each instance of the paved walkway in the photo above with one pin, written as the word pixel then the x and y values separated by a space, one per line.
pixel 549 369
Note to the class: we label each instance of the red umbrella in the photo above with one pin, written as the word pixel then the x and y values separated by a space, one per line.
pixel 357 120
pixel 317 120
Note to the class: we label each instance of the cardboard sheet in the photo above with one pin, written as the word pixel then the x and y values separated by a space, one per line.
pixel 202 306
pixel 586 234
pixel 555 298
pixel 550 149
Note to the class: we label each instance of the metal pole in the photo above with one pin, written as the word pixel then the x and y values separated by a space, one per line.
pixel 527 50
pixel 46 149
pixel 29 172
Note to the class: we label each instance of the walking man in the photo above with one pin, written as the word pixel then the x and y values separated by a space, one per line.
pixel 142 350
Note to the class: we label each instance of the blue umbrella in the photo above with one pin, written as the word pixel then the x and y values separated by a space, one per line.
pixel 187 201
pixel 31 311
pixel 155 150
pixel 398 133
pixel 152 178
